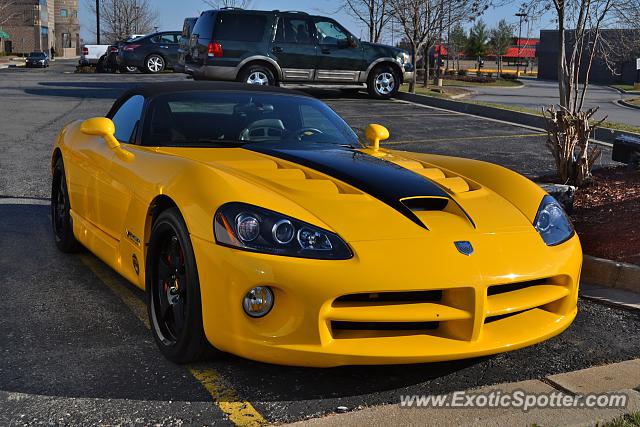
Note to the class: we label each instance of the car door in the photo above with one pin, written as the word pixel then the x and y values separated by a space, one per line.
pixel 115 192
pixel 294 47
pixel 168 45
pixel 340 56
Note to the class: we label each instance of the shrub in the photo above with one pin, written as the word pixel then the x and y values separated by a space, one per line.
pixel 462 72
pixel 508 76
pixel 489 75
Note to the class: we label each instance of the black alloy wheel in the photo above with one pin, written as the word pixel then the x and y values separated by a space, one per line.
pixel 61 211
pixel 173 291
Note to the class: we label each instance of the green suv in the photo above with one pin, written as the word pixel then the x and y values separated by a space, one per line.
pixel 274 47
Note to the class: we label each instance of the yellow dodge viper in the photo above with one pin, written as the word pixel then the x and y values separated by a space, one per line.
pixel 260 225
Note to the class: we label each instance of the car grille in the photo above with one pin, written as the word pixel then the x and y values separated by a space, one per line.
pixel 447 313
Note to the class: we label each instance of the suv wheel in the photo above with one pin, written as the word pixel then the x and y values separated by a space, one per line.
pixel 257 75
pixel 154 64
pixel 383 82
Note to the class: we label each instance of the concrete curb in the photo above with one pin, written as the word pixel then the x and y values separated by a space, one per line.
pixel 601 134
pixel 626 104
pixel 611 274
pixel 628 92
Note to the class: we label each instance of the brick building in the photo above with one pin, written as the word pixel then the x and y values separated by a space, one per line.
pixel 37 25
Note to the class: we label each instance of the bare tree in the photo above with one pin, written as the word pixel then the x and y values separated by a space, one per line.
pixel 218 4
pixel 121 18
pixel 627 13
pixel 500 39
pixel 6 11
pixel 421 23
pixel 456 42
pixel 418 20
pixel 374 14
pixel 569 127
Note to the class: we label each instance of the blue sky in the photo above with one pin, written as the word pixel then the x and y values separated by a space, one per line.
pixel 172 13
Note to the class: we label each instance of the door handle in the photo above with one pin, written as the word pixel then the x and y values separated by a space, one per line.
pixel 277 49
pixel 164 47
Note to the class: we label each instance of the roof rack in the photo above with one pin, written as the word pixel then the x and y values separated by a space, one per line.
pixel 295 11
pixel 231 8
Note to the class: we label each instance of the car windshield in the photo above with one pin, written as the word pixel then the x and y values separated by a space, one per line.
pixel 36 55
pixel 227 119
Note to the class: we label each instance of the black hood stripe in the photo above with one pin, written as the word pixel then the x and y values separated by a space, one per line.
pixel 379 178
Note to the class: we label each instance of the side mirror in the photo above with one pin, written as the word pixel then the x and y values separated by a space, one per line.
pixel 353 42
pixel 101 126
pixel 374 134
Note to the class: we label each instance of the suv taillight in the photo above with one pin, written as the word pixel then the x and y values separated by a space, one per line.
pixel 215 50
pixel 114 49
pixel 85 51
pixel 131 47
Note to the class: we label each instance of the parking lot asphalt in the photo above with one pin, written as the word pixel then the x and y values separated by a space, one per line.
pixel 74 345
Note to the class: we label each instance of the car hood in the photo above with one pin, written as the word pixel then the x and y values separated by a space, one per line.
pixel 382 48
pixel 368 195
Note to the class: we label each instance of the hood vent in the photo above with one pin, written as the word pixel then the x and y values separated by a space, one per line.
pixel 419 204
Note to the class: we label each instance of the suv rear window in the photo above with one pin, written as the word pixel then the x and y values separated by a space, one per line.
pixel 242 27
pixel 204 25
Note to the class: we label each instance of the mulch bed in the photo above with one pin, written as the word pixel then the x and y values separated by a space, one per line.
pixel 606 215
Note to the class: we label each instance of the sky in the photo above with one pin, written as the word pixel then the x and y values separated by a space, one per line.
pixel 171 14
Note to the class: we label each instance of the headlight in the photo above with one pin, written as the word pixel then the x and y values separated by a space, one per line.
pixel 552 222
pixel 252 228
pixel 403 58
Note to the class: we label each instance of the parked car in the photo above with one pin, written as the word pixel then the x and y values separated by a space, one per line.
pixel 258 223
pixel 94 55
pixel 183 44
pixel 273 47
pixel 151 54
pixel 37 59
pixel 111 63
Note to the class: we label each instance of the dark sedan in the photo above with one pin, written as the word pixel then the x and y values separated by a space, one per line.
pixel 151 54
pixel 37 59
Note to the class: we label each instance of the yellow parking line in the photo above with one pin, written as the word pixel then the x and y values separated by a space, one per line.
pixel 241 413
pixel 407 115
pixel 127 296
pixel 468 138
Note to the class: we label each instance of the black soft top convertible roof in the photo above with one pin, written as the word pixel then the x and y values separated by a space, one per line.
pixel 150 90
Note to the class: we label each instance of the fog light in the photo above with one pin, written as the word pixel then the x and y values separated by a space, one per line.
pixel 258 301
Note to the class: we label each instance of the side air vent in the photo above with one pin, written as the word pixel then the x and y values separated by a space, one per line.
pixel 417 204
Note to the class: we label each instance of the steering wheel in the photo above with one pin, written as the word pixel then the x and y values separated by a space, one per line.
pixel 300 134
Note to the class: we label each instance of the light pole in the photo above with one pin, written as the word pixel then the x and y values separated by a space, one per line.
pixel 136 8
pixel 98 21
pixel 520 15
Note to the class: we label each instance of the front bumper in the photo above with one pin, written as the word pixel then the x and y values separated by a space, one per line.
pixel 306 325
pixel 408 72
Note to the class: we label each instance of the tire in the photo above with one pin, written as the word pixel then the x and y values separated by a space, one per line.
pixel 61 222
pixel 154 64
pixel 100 68
pixel 258 75
pixel 125 69
pixel 173 291
pixel 383 82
